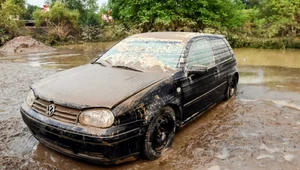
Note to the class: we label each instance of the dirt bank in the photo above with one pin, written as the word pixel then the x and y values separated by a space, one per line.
pixel 24 45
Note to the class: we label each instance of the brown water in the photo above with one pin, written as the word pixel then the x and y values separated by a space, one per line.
pixel 267 57
pixel 269 74
pixel 64 57
pixel 258 129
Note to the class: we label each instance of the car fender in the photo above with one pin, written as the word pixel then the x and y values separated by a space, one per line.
pixel 144 105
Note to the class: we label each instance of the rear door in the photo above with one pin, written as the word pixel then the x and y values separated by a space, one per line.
pixel 198 89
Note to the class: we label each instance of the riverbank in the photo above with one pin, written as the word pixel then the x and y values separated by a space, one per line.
pixel 235 41
pixel 108 36
pixel 265 43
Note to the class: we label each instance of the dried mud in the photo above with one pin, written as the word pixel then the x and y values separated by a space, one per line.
pixel 257 129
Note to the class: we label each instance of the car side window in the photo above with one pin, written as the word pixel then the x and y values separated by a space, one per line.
pixel 221 49
pixel 200 53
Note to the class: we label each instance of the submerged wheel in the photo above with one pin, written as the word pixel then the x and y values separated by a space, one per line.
pixel 160 134
pixel 231 89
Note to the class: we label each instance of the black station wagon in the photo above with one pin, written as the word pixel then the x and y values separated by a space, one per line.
pixel 129 102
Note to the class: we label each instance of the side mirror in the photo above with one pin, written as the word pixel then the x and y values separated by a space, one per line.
pixel 197 69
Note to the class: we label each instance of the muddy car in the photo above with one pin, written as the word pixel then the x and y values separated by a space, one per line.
pixel 130 101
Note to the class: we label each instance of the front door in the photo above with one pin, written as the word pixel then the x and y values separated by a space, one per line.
pixel 198 89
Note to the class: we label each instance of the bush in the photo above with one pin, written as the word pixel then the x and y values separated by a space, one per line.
pixel 9 28
pixel 3 37
pixel 61 21
pixel 91 33
pixel 269 43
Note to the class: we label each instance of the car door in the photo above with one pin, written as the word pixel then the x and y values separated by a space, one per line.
pixel 225 63
pixel 198 89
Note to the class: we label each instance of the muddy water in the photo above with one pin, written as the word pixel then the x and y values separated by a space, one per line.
pixel 63 57
pixel 258 129
pixel 272 75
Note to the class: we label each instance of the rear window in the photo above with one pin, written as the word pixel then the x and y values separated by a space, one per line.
pixel 221 49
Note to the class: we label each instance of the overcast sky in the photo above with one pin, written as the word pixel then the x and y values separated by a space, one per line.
pixel 40 3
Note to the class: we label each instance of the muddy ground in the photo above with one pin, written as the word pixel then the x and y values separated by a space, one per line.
pixel 257 129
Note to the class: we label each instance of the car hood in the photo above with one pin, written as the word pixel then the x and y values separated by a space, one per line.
pixel 93 85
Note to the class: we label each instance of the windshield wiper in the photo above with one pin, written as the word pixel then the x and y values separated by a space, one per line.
pixel 126 67
pixel 101 62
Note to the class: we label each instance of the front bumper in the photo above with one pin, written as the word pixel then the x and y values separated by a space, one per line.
pixel 114 145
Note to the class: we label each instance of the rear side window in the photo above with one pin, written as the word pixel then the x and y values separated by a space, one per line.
pixel 221 50
pixel 200 53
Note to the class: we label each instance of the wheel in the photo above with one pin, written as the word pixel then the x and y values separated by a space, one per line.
pixel 160 134
pixel 231 89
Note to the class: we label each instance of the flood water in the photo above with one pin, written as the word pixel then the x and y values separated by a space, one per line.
pixel 269 74
pixel 258 129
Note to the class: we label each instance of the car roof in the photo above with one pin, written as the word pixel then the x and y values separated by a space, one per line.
pixel 181 36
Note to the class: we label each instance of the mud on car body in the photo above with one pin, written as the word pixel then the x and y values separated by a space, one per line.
pixel 129 102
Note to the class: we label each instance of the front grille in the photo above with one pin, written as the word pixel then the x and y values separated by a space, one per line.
pixel 64 114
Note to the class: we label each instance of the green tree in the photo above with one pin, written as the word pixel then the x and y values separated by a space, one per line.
pixel 29 11
pixel 60 20
pixel 177 14
pixel 10 9
pixel 282 17
pixel 270 18
pixel 86 8
pixel 251 3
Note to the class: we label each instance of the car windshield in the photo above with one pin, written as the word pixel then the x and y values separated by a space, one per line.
pixel 144 55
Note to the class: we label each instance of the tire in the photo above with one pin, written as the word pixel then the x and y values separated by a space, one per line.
pixel 231 89
pixel 160 134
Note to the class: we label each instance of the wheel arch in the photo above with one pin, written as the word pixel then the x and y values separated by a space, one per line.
pixel 150 115
pixel 177 111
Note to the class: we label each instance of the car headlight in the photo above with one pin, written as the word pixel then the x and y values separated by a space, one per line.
pixel 102 118
pixel 30 98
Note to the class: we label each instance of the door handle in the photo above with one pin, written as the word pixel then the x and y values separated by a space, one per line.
pixel 216 73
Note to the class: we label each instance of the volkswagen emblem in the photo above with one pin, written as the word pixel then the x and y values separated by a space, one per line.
pixel 50 110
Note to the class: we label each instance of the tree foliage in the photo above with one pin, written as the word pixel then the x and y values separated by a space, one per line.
pixel 10 9
pixel 177 14
pixel 271 18
pixel 282 17
pixel 258 18
pixel 60 20
pixel 87 10
pixel 29 11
